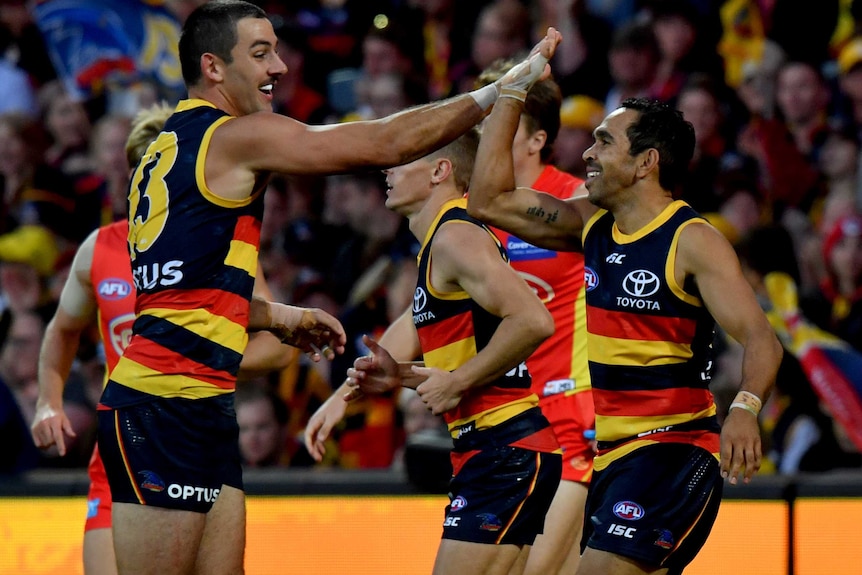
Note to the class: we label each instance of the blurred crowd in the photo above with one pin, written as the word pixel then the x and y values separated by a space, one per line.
pixel 772 87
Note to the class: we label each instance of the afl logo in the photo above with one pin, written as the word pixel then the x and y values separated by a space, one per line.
pixel 458 503
pixel 420 298
pixel 641 283
pixel 628 510
pixel 591 278
pixel 114 288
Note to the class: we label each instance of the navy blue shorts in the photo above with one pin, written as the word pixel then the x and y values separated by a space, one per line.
pixel 655 505
pixel 171 453
pixel 501 495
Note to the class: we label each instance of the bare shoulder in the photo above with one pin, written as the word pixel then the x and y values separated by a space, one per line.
pixel 701 246
pixel 82 264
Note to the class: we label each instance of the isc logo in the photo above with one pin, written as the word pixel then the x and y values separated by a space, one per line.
pixel 628 510
pixel 627 532
pixel 451 521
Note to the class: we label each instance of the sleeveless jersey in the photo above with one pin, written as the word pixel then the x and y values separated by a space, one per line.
pixel 111 278
pixel 650 340
pixel 194 257
pixel 453 328
pixel 559 364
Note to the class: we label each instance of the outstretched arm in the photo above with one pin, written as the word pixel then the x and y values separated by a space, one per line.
pixel 268 142
pixel 706 254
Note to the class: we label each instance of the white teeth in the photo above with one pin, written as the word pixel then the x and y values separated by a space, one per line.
pixel 266 88
pixel 592 174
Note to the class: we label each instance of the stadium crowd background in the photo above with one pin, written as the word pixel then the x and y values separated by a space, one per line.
pixel 773 88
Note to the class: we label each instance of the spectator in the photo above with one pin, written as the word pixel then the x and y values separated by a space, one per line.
pixel 633 63
pixel 262 419
pixel 837 305
pixel 579 116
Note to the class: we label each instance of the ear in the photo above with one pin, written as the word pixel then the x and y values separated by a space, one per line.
pixel 212 67
pixel 648 163
pixel 537 141
pixel 442 170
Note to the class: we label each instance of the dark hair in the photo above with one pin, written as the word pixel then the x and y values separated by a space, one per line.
pixel 211 28
pixel 541 108
pixel 661 127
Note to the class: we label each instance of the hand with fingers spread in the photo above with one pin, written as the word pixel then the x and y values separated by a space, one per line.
pixel 740 446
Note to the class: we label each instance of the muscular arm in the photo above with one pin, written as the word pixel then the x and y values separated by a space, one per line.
pixel 496 287
pixel 264 352
pixel 75 313
pixel 536 217
pixel 704 253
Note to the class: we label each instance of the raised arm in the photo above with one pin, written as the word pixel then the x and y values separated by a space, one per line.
pixel 706 254
pixel 75 313
pixel 536 217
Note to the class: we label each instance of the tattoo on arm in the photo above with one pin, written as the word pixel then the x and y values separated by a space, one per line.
pixel 538 212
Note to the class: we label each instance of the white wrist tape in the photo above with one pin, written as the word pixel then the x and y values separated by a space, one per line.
pixel 485 96
pixel 525 74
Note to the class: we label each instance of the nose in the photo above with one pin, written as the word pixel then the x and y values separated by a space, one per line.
pixel 279 68
pixel 588 153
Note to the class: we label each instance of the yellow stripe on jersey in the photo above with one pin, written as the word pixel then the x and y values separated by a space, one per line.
pixel 452 356
pixel 603 461
pixel 611 428
pixel 243 256
pixel 613 351
pixel 152 382
pixel 670 268
pixel 495 416
pixel 209 326
pixel 580 367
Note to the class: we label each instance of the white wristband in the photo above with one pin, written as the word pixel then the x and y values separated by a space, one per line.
pixel 485 96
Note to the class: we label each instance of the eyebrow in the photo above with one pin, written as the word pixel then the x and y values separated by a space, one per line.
pixel 258 43
pixel 603 134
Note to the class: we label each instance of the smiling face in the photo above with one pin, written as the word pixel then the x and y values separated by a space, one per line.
pixel 610 167
pixel 249 79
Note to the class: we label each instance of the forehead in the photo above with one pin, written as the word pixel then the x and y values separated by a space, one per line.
pixel 251 31
pixel 617 122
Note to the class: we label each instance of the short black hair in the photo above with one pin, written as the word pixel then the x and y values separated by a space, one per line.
pixel 661 127
pixel 211 28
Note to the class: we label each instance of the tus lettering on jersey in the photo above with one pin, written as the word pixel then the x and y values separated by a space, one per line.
pixel 150 276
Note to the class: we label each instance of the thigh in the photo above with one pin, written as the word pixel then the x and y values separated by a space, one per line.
pixel 557 550
pixel 222 546
pixel 501 495
pixel 467 558
pixel 655 505
pixel 595 562
pixel 154 541
pixel 171 453
pixel 99 558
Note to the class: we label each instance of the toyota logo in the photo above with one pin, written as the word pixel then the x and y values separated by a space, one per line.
pixel 419 300
pixel 640 283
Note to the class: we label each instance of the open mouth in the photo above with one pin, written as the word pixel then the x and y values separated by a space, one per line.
pixel 266 90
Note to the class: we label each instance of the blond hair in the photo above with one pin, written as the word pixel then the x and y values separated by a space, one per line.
pixel 145 127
